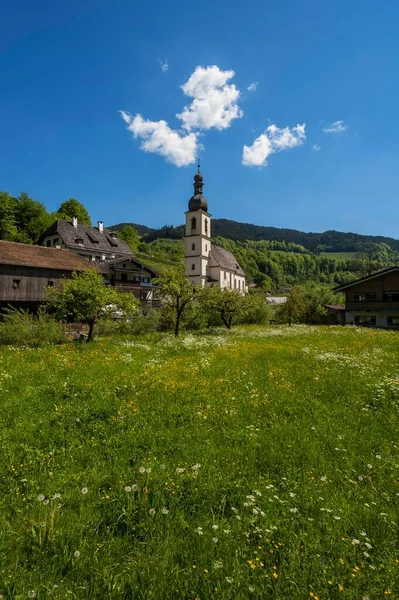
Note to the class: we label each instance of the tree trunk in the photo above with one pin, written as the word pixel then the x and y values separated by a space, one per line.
pixel 177 324
pixel 289 321
pixel 91 329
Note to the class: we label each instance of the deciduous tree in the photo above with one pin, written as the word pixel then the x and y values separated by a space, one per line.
pixel 176 292
pixel 73 208
pixel 86 298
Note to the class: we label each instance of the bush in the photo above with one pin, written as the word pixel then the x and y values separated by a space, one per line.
pixel 136 325
pixel 255 310
pixel 21 328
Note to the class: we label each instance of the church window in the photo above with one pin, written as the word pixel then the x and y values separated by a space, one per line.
pixel 206 247
pixel 206 226
pixel 193 247
pixel 193 224
pixel 193 267
pixel 225 275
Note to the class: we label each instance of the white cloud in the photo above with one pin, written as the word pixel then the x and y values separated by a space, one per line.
pixel 336 127
pixel 275 139
pixel 215 101
pixel 252 87
pixel 164 65
pixel 316 148
pixel 158 137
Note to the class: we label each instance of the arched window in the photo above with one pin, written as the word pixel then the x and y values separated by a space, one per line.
pixel 193 224
pixel 206 226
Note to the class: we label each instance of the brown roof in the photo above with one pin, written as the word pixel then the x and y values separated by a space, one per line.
pixel 336 307
pixel 25 255
pixel 362 279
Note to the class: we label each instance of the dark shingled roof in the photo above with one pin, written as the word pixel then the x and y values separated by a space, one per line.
pixel 226 259
pixel 25 255
pixel 131 259
pixel 362 279
pixel 93 240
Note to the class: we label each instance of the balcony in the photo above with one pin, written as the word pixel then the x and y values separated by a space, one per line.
pixel 373 305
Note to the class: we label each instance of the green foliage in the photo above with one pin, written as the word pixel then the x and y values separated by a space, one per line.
pixel 224 304
pixel 176 294
pixel 261 462
pixel 73 208
pixel 294 310
pixel 136 325
pixel 255 311
pixel 129 235
pixel 84 298
pixel 20 328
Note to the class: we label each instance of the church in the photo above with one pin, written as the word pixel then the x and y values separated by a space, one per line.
pixel 207 264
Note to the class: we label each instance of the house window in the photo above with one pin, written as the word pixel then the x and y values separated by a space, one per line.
pixel 393 320
pixel 224 275
pixel 50 284
pixel 193 267
pixel 16 284
pixel 364 297
pixel 193 224
pixel 56 241
pixel 48 243
pixel 365 320
pixel 192 246
pixel 391 296
pixel 124 266
pixel 124 276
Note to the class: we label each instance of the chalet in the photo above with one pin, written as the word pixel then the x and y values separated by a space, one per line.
pixel 373 301
pixel 101 246
pixel 26 272
pixel 130 275
pixel 206 263
pixel 96 244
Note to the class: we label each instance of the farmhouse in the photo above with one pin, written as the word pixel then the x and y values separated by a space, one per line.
pixel 26 272
pixel 207 264
pixel 373 301
pixel 93 243
pixel 101 246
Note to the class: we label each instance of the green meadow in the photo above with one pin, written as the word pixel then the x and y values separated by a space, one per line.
pixel 251 464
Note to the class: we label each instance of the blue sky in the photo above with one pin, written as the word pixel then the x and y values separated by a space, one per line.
pixel 69 68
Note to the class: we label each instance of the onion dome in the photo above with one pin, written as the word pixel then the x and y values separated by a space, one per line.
pixel 198 201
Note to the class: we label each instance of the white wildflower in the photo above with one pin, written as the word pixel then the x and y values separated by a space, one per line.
pixel 148 470
pixel 368 546
pixel 355 542
pixel 324 478
pixel 152 512
pixel 128 489
pixel 378 456
pixel 165 510
pixel 31 594
pixel 293 510
pixel 84 491
pixel 215 527
pixel 179 470
pixel 41 497
pixel 135 487
pixel 76 554
pixel 227 531
pixel 199 531
pixel 142 470
pixel 215 540
pixel 229 579
pixel 46 501
pixel 337 518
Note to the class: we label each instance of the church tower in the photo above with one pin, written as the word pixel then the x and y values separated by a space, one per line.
pixel 197 235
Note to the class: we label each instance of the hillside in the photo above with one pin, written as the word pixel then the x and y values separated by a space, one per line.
pixel 328 241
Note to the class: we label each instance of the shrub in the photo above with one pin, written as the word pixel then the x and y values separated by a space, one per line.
pixel 136 325
pixel 21 328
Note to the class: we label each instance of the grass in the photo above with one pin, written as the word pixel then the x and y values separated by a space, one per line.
pixel 257 464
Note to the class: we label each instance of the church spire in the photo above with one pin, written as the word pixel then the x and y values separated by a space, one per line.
pixel 197 201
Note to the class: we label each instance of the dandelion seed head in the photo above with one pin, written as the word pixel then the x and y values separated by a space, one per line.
pixel 128 489
pixel 135 487
pixel 41 497
pixel 84 491
pixel 215 540
pixel 31 594
pixel 152 512
pixel 165 510
pixel 142 470
pixel 76 554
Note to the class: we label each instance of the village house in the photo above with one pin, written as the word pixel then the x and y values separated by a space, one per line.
pixel 373 301
pixel 26 273
pixel 101 246
pixel 206 263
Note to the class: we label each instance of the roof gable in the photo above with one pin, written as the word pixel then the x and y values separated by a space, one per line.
pixel 134 261
pixel 90 238
pixel 367 278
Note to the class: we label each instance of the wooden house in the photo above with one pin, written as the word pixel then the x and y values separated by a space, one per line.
pixel 130 275
pixel 26 272
pixel 373 301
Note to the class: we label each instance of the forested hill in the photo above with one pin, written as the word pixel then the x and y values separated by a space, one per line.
pixel 329 241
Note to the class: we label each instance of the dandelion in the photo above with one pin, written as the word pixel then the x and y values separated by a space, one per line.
pixel 31 594
pixel 135 487
pixel 46 501
pixel 128 489
pixel 142 470
pixel 76 554
pixel 152 512
pixel 369 466
pixel 196 467
pixel 41 497
pixel 179 470
pixel 165 510
pixel 84 491
pixel 148 470
pixel 215 540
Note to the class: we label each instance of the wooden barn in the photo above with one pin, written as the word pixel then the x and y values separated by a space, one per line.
pixel 26 272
